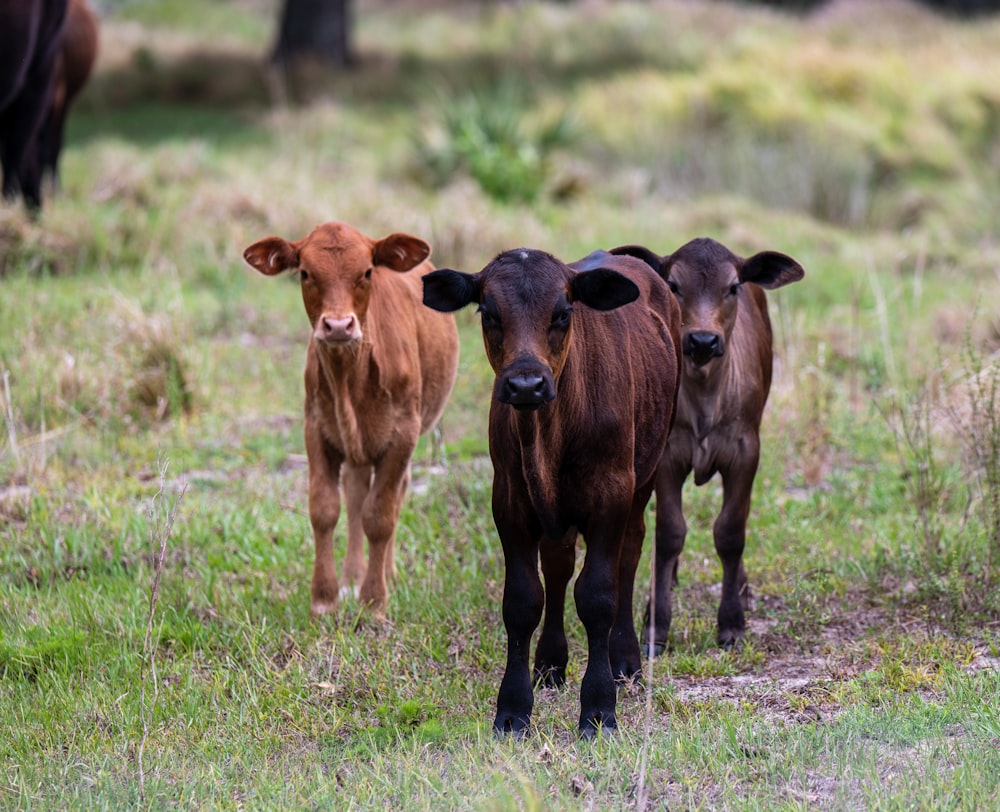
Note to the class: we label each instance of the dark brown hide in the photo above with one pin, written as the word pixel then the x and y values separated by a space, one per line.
pixel 586 366
pixel 379 370
pixel 725 380
pixel 30 38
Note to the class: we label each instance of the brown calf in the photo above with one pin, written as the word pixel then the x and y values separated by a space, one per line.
pixel 586 362
pixel 73 66
pixel 725 380
pixel 30 39
pixel 379 369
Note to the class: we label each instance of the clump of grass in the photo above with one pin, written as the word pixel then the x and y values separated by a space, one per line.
pixel 157 383
pixel 491 136
pixel 977 424
pixel 911 423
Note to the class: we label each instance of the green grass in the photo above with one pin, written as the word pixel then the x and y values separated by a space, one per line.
pixel 870 675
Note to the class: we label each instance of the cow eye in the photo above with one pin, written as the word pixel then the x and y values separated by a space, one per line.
pixel 489 319
pixel 673 287
pixel 304 276
pixel 734 288
pixel 560 319
pixel 368 274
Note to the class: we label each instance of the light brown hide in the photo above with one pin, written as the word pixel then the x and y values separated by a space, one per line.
pixel 379 369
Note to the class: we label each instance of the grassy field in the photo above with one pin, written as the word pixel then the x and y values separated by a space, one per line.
pixel 151 400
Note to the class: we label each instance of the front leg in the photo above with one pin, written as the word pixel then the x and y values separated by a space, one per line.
pixel 379 517
pixel 729 533
pixel 523 598
pixel 324 511
pixel 596 594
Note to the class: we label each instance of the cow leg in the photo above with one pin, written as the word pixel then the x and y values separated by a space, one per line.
pixel 324 512
pixel 671 530
pixel 552 654
pixel 523 599
pixel 357 483
pixel 379 517
pixel 730 537
pixel 596 593
pixel 390 555
pixel 24 118
pixel 626 661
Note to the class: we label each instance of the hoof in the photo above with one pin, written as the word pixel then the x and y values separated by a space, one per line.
pixel 516 728
pixel 322 608
pixel 654 649
pixel 591 730
pixel 347 591
pixel 731 641
pixel 550 678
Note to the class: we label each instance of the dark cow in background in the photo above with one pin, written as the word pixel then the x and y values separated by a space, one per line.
pixel 725 380
pixel 379 369
pixel 586 362
pixel 73 67
pixel 30 39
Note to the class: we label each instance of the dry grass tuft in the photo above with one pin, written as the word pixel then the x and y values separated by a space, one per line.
pixel 156 381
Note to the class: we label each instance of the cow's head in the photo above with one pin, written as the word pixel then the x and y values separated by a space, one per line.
pixel 526 300
pixel 338 267
pixel 707 278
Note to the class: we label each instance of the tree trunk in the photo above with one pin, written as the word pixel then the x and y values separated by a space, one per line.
pixel 315 29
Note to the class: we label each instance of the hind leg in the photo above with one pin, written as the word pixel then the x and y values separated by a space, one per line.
pixel 671 530
pixel 357 483
pixel 558 557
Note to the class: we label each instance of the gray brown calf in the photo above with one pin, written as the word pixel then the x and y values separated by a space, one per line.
pixel 725 381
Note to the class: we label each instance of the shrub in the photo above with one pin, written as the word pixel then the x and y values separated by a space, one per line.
pixel 491 137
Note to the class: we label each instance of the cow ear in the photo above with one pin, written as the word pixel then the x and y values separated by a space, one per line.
pixel 769 269
pixel 400 252
pixel 603 289
pixel 272 255
pixel 447 290
pixel 653 260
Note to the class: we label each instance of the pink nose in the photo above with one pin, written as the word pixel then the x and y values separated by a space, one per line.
pixel 343 329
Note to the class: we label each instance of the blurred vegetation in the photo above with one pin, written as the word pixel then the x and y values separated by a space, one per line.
pixel 489 136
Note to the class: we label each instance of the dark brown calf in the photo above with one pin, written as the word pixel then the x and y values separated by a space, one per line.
pixel 73 66
pixel 586 361
pixel 725 380
pixel 379 369
pixel 30 39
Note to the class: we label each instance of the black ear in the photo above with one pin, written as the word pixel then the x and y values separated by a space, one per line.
pixel 603 289
pixel 447 290
pixel 654 261
pixel 769 269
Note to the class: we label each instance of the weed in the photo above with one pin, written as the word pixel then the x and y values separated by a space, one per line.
pixel 491 136
pixel 161 525
pixel 977 424
pixel 911 424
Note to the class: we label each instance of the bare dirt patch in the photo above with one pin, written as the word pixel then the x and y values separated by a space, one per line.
pixel 802 684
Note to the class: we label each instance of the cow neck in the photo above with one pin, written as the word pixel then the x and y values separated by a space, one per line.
pixel 543 442
pixel 539 461
pixel 701 394
pixel 346 373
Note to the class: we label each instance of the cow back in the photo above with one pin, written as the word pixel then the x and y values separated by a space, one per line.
pixel 414 348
